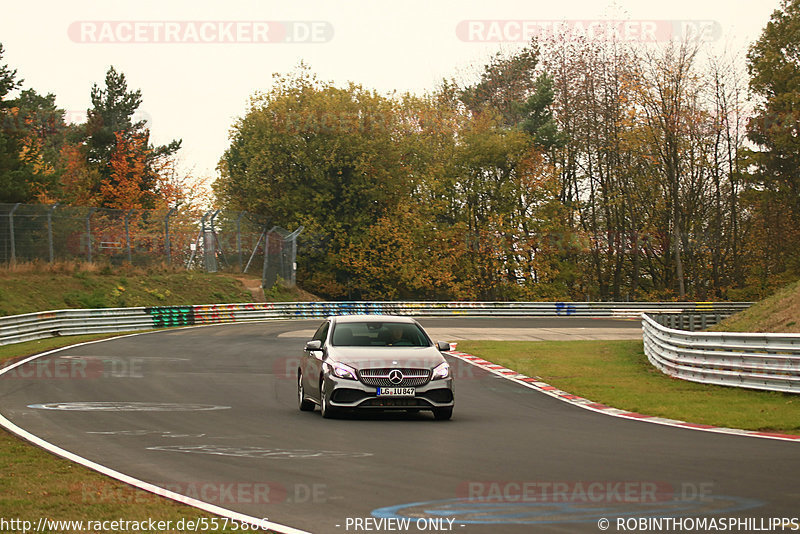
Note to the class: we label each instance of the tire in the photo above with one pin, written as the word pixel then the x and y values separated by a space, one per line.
pixel 443 414
pixel 328 412
pixel 304 404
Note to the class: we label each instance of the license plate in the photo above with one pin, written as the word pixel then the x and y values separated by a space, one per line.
pixel 396 392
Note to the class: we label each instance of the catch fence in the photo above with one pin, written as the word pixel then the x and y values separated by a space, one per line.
pixel 215 240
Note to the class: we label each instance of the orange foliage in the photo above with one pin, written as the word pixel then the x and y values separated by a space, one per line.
pixel 78 180
pixel 124 189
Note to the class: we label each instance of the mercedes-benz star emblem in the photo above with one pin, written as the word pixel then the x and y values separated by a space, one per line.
pixel 395 376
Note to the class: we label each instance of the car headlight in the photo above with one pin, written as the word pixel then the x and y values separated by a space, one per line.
pixel 341 370
pixel 441 371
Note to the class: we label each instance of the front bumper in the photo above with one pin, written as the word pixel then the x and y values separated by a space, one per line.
pixel 353 394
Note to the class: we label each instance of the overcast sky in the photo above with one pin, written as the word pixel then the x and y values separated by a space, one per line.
pixel 198 62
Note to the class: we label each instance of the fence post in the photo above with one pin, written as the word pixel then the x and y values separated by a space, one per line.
pixel 128 235
pixel 209 252
pixel 254 250
pixel 292 238
pixel 239 238
pixel 197 241
pixel 293 259
pixel 89 234
pixel 50 230
pixel 166 235
pixel 11 231
pixel 266 272
pixel 218 246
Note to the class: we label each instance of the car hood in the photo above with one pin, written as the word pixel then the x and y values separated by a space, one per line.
pixel 386 357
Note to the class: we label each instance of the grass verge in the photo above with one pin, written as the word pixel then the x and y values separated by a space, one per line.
pixel 778 313
pixel 36 484
pixel 38 291
pixel 617 373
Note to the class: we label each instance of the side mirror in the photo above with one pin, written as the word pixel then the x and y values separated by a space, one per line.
pixel 443 346
pixel 313 345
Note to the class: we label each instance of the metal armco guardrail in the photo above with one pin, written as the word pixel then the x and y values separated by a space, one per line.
pixel 758 361
pixel 18 328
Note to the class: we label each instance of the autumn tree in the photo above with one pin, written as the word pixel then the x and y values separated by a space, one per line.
pixel 774 67
pixel 32 131
pixel 599 166
pixel 308 153
pixel 123 189
pixel 42 133
pixel 582 168
pixel 505 84
pixel 13 186
pixel 111 124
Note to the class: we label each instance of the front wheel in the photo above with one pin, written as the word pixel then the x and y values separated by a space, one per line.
pixel 325 407
pixel 305 404
pixel 443 414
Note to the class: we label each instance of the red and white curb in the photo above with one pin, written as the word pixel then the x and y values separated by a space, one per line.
pixel 536 384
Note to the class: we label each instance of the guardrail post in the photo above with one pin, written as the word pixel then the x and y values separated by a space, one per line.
pixel 11 233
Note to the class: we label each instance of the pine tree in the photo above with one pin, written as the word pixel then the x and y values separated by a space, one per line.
pixel 110 121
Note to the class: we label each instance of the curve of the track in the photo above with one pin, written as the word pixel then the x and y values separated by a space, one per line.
pixel 544 465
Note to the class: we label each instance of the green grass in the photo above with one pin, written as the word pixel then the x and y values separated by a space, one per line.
pixel 33 288
pixel 36 484
pixel 777 313
pixel 617 373
pixel 39 291
pixel 281 293
pixel 29 348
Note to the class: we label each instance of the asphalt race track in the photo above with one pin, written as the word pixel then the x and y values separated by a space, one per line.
pixel 212 412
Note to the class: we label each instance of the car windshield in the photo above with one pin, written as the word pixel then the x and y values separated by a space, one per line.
pixel 379 334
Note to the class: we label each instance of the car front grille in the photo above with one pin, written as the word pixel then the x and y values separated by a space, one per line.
pixel 379 377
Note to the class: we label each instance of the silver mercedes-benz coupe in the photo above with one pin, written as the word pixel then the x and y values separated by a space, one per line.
pixel 375 362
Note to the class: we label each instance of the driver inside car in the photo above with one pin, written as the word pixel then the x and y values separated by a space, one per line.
pixel 394 335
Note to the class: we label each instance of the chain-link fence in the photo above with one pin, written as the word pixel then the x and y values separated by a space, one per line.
pixel 212 241
pixel 280 263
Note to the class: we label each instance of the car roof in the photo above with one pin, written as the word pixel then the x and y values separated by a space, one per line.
pixel 371 319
